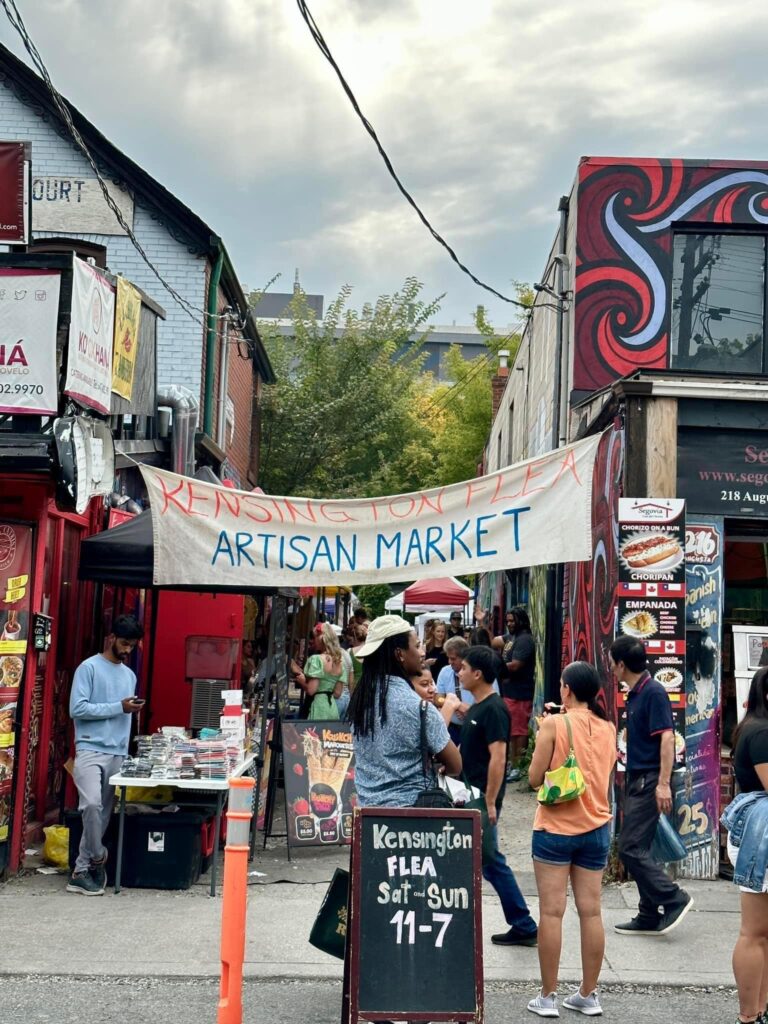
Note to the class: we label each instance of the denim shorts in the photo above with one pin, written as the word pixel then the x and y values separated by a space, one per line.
pixel 588 850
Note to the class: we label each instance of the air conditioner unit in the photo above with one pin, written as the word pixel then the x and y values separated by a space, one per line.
pixel 207 703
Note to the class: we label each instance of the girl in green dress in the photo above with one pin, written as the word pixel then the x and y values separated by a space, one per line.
pixel 325 675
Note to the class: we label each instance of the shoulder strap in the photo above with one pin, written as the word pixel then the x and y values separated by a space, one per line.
pixel 570 732
pixel 425 755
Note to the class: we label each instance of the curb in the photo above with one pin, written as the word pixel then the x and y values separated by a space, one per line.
pixel 494 982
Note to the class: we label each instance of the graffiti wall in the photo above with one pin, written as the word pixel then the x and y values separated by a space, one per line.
pixel 697 801
pixel 624 252
pixel 588 630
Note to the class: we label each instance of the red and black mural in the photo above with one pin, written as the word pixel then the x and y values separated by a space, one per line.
pixel 590 587
pixel 626 212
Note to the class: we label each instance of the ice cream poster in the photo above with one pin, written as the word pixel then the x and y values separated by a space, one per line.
pixel 319 782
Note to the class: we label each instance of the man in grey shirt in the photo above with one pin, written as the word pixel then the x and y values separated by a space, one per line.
pixel 101 704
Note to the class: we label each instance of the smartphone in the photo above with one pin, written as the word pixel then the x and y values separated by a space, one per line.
pixel 139 701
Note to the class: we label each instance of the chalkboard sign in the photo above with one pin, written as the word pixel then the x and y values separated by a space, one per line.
pixel 416 946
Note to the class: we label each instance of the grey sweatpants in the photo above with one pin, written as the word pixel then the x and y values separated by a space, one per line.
pixel 92 773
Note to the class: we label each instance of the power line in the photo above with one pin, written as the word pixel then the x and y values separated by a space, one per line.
pixel 324 49
pixel 14 17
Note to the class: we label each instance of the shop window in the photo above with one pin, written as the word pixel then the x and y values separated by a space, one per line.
pixel 718 303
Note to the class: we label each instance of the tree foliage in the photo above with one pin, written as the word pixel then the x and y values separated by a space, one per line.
pixel 339 420
pixel 353 413
pixel 464 407
pixel 372 597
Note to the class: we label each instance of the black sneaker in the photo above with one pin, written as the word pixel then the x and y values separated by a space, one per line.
pixel 675 913
pixel 639 926
pixel 84 884
pixel 98 872
pixel 514 937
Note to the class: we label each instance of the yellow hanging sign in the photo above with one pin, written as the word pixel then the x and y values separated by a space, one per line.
pixel 127 317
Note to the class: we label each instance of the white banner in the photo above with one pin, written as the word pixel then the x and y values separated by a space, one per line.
pixel 534 513
pixel 91 333
pixel 29 313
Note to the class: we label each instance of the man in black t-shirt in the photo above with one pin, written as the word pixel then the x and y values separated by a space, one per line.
pixel 484 741
pixel 455 625
pixel 519 655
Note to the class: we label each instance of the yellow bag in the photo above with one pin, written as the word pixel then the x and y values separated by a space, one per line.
pixel 567 781
pixel 56 847
pixel 147 795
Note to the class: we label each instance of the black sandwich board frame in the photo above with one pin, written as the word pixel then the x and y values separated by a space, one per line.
pixel 352 1012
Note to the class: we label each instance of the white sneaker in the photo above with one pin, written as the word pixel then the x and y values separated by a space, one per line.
pixel 588 1005
pixel 545 1006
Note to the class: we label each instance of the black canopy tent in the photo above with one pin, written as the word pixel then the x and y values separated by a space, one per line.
pixel 124 556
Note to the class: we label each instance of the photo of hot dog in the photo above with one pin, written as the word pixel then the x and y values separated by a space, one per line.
pixel 650 550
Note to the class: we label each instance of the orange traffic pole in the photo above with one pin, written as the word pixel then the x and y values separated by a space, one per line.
pixel 233 903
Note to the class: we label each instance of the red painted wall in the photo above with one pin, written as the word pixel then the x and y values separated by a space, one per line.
pixel 182 614
pixel 625 212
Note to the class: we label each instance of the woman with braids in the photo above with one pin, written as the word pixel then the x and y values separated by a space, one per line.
pixel 571 839
pixel 385 713
pixel 746 819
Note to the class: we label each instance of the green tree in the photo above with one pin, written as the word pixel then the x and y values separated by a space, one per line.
pixel 372 597
pixel 462 410
pixel 340 420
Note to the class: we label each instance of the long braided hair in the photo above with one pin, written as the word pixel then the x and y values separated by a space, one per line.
pixel 368 706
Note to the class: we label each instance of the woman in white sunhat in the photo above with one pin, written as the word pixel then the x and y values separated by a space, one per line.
pixel 385 713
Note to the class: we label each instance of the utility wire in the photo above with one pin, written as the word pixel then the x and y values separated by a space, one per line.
pixel 325 50
pixel 14 17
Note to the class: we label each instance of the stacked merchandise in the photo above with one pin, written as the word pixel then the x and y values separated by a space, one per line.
pixel 212 760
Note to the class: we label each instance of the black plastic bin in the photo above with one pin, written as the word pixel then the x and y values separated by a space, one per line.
pixel 160 851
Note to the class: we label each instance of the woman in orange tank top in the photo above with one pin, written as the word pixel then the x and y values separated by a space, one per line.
pixel 571 840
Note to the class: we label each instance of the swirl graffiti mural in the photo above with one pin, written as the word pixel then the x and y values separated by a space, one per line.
pixel 626 214
pixel 590 587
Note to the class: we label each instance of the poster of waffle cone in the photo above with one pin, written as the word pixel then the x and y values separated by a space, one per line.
pixel 319 782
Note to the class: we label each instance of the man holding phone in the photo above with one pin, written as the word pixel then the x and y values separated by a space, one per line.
pixel 101 704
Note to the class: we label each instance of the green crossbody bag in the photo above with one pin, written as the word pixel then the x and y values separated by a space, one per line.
pixel 566 782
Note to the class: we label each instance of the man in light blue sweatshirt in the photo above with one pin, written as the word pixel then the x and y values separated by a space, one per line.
pixel 101 704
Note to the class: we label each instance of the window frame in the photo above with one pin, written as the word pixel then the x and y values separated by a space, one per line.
pixel 679 229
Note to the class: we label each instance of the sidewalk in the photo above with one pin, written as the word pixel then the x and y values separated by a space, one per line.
pixel 145 933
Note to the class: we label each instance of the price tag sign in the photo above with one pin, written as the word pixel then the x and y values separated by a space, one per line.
pixel 416 929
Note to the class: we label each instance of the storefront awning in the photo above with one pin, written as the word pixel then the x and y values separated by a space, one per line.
pixel 124 555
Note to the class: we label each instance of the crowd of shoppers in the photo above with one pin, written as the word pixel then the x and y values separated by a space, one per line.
pixel 478 694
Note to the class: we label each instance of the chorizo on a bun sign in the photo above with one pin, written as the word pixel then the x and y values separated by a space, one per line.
pixel 536 512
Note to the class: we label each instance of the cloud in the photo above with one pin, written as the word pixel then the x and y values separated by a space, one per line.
pixel 484 107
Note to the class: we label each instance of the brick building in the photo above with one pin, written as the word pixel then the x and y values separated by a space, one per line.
pixel 67 205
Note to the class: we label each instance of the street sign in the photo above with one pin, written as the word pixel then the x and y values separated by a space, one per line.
pixel 415 948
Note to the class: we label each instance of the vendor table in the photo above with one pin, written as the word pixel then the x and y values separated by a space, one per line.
pixel 218 786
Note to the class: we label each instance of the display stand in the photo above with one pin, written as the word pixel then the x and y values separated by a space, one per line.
pixel 276 701
pixel 218 786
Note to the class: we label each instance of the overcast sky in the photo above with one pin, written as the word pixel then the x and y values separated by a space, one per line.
pixel 484 107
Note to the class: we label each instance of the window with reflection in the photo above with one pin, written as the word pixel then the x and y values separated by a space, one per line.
pixel 718 303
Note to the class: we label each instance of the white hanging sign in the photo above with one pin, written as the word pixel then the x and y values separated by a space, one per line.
pixel 29 312
pixel 91 334
pixel 536 512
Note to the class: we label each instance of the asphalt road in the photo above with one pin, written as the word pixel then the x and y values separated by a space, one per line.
pixel 32 1000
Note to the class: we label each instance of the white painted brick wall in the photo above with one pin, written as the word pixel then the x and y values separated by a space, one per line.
pixel 180 339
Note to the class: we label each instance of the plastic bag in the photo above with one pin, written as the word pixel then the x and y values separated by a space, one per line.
pixel 56 846
pixel 667 845
pixel 147 794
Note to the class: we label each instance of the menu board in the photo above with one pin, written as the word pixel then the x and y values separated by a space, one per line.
pixel 651 596
pixel 15 599
pixel 415 942
pixel 319 782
